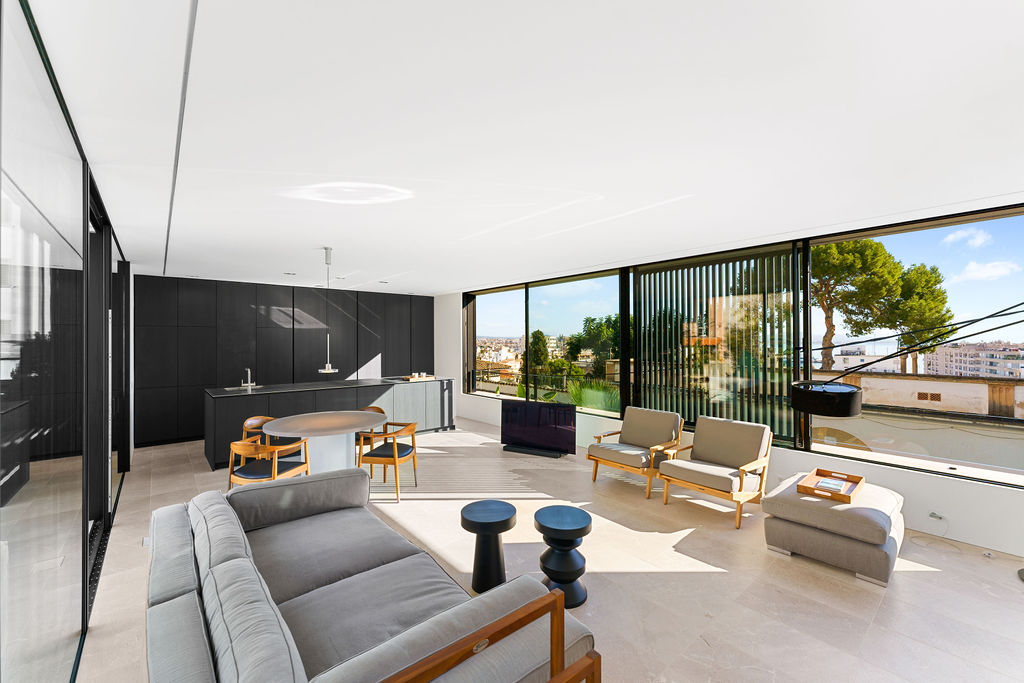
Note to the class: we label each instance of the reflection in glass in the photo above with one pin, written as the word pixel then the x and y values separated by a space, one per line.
pixel 41 345
pixel 717 339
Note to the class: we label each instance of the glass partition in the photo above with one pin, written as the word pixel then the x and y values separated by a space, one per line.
pixel 41 351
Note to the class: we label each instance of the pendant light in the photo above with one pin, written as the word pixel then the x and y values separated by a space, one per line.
pixel 327 369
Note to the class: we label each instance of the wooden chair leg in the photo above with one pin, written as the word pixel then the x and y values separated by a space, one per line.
pixel 593 477
pixel 371 470
pixel 231 468
pixel 664 493
pixel 739 514
pixel 385 473
pixel 650 480
pixel 398 498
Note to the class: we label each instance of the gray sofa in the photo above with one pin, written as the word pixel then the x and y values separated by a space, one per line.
pixel 295 580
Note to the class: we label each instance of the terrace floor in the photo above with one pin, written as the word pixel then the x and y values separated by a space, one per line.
pixel 676 592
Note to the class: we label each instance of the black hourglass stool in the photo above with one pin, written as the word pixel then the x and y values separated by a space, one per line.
pixel 488 519
pixel 563 527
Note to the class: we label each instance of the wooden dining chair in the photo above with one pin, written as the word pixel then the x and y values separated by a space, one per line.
pixel 254 425
pixel 373 409
pixel 263 461
pixel 387 454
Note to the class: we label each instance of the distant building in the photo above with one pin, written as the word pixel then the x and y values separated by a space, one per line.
pixel 982 359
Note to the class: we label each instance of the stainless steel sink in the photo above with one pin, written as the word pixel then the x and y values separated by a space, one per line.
pixel 258 386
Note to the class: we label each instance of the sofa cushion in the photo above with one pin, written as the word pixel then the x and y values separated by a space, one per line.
pixel 338 621
pixel 729 442
pixel 868 518
pixel 177 649
pixel 173 570
pixel 251 642
pixel 709 474
pixel 307 553
pixel 644 427
pixel 622 453
pixel 260 505
pixel 522 656
pixel 217 531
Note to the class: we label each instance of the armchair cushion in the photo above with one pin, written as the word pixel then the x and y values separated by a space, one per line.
pixel 729 442
pixel 709 474
pixel 622 453
pixel 644 427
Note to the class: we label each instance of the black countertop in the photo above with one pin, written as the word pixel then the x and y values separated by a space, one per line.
pixel 258 390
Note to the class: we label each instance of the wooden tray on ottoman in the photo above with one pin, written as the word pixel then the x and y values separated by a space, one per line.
pixel 809 485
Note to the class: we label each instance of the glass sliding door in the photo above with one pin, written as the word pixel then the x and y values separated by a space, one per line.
pixel 716 338
pixel 41 370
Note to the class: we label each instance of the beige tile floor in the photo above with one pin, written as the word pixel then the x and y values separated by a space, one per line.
pixel 676 593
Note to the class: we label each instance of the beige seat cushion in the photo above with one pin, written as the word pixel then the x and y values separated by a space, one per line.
pixel 709 474
pixel 622 453
pixel 869 517
pixel 729 442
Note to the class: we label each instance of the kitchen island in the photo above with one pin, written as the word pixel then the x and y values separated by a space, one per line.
pixel 428 403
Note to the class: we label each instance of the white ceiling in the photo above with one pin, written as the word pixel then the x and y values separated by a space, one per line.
pixel 522 140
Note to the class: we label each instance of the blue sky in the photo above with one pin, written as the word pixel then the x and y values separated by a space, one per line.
pixel 983 266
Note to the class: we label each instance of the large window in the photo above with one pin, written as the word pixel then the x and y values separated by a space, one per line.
pixel 500 343
pixel 957 393
pixel 716 338
pixel 574 344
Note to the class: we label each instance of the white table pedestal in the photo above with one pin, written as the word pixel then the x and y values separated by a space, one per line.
pixel 335 452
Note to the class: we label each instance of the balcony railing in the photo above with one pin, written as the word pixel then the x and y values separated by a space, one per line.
pixel 588 393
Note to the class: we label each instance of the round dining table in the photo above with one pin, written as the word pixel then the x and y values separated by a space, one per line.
pixel 331 435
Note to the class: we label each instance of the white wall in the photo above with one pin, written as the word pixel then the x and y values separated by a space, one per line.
pixel 973 512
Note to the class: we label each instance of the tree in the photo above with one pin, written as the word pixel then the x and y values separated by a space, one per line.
pixel 920 305
pixel 856 279
pixel 538 351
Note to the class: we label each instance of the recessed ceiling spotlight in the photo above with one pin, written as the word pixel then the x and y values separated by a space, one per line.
pixel 383 282
pixel 345 192
pixel 289 273
pixel 339 277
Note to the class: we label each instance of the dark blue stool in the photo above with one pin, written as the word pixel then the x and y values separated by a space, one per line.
pixel 564 527
pixel 488 519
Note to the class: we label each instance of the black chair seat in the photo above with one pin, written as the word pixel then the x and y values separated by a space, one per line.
pixel 263 469
pixel 388 451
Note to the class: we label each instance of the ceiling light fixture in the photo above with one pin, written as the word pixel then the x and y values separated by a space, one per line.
pixel 327 369
pixel 345 192
pixel 289 273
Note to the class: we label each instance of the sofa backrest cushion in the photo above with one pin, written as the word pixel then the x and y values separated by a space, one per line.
pixel 250 640
pixel 284 500
pixel 218 534
pixel 173 571
pixel 177 649
pixel 645 427
pixel 729 442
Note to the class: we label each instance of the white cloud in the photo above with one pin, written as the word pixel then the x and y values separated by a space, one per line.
pixel 976 237
pixel 992 270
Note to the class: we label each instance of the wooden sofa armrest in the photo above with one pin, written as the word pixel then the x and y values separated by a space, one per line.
pixel 755 465
pixel 445 659
pixel 603 435
pixel 671 452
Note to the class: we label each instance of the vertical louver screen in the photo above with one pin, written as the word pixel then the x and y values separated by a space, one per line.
pixel 716 338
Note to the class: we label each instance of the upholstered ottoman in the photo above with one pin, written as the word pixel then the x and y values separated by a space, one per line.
pixel 863 536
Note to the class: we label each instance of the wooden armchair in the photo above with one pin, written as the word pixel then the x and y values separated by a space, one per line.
pixel 264 465
pixel 386 454
pixel 643 440
pixel 728 459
